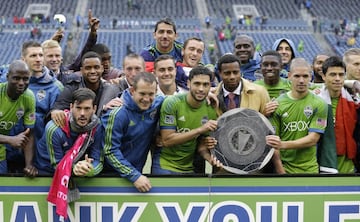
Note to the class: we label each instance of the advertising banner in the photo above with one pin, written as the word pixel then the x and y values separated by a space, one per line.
pixel 183 199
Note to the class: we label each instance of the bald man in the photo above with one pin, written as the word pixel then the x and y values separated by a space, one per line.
pixel 299 121
pixel 17 108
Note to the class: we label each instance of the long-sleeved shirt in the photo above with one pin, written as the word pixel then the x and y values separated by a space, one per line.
pixel 128 134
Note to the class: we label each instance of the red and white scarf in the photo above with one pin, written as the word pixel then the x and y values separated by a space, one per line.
pixel 345 121
pixel 59 186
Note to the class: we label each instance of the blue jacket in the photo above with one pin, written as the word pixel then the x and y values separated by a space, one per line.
pixel 129 132
pixel 46 89
pixel 4 69
pixel 286 67
pixel 150 53
pixel 55 143
pixel 248 70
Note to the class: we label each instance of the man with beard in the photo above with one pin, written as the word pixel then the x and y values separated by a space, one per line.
pixel 57 141
pixel 299 121
pixel 17 107
pixel 164 35
pixel 318 62
pixel 91 70
pixel 185 119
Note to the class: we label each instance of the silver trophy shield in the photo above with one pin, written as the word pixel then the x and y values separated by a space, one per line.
pixel 241 146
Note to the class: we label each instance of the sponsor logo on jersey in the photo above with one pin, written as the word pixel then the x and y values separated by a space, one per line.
pixel 6 125
pixel 296 126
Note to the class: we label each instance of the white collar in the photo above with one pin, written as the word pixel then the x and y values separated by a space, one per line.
pixel 236 91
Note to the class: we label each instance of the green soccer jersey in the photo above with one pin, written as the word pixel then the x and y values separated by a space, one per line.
pixel 13 112
pixel 177 114
pixel 275 91
pixel 294 119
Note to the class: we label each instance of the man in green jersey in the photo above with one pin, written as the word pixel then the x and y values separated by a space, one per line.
pixel 299 121
pixel 344 112
pixel 184 120
pixel 17 108
pixel 270 68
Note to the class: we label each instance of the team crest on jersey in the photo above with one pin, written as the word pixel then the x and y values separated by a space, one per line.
pixel 169 119
pixel 308 111
pixel 153 114
pixel 19 113
pixel 40 95
pixel 204 120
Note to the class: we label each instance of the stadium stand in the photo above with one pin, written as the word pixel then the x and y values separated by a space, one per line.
pixel 339 44
pixel 149 24
pixel 12 41
pixel 280 9
pixel 9 9
pixel 144 9
pixel 336 9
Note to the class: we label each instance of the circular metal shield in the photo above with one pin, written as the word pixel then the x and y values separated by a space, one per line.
pixel 241 140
